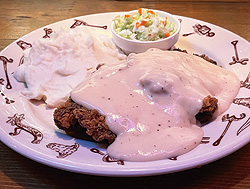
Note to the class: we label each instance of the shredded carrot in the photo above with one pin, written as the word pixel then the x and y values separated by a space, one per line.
pixel 150 11
pixel 137 24
pixel 163 23
pixel 149 34
pixel 167 34
pixel 140 11
pixel 127 16
pixel 142 23
pixel 166 18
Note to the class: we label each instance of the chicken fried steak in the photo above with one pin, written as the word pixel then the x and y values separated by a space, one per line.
pixel 79 122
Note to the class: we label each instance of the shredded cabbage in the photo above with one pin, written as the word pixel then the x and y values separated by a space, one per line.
pixel 143 25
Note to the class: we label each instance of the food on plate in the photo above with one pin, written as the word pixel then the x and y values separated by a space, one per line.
pixel 56 65
pixel 88 124
pixel 151 103
pixel 143 25
pixel 82 123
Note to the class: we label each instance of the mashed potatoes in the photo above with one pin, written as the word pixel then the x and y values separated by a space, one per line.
pixel 55 66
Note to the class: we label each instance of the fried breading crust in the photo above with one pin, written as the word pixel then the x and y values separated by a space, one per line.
pixel 209 106
pixel 79 122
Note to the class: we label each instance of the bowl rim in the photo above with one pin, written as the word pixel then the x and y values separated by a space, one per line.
pixel 148 42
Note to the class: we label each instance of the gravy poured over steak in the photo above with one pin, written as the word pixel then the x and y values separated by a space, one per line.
pixel 152 102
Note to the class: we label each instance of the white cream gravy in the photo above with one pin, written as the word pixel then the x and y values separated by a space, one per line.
pixel 150 102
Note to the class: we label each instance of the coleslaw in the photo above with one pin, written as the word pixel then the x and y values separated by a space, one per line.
pixel 143 25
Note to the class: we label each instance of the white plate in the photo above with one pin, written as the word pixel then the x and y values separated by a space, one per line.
pixel 36 137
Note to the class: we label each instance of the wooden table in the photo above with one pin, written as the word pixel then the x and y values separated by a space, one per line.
pixel 18 18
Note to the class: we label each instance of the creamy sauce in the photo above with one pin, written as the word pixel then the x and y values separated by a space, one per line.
pixel 150 102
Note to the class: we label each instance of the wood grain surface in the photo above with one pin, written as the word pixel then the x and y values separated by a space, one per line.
pixel 18 18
